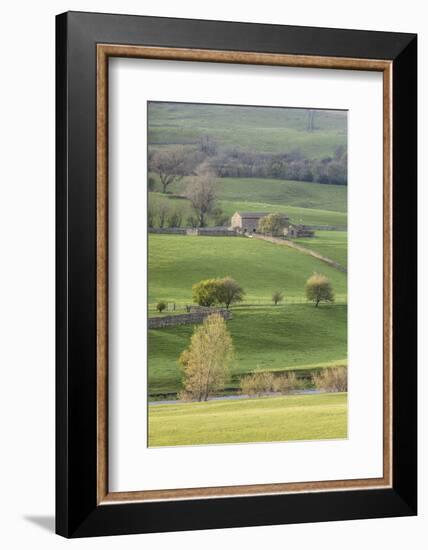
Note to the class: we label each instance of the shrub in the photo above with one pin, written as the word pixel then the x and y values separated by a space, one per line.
pixel 161 306
pixel 257 383
pixel 333 379
pixel 287 383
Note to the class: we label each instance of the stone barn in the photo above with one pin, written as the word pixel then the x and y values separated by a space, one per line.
pixel 247 222
pixel 296 231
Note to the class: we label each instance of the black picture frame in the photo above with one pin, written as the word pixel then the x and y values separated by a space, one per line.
pixel 77 511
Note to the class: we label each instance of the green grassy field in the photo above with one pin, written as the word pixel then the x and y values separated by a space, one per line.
pixel 307 216
pixel 274 338
pixel 176 262
pixel 294 335
pixel 333 244
pixel 291 336
pixel 290 418
pixel 308 203
pixel 266 130
pixel 277 192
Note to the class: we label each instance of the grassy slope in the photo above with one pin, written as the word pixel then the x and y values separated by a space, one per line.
pixel 333 244
pixel 279 192
pixel 263 129
pixel 309 203
pixel 176 262
pixel 307 417
pixel 306 216
pixel 274 338
pixel 292 336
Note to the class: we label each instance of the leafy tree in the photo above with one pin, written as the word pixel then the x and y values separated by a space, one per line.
pixel 272 224
pixel 225 291
pixel 206 361
pixel 318 289
pixel 161 306
pixel 277 297
pixel 229 291
pixel 205 293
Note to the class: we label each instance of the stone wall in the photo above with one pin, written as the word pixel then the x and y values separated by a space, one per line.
pixel 208 231
pixel 195 316
pixel 168 230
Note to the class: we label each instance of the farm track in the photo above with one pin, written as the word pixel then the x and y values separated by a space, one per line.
pixel 303 249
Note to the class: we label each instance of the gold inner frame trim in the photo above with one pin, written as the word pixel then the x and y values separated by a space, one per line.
pixel 104 51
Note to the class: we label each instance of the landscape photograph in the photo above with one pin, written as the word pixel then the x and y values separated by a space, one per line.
pixel 247 274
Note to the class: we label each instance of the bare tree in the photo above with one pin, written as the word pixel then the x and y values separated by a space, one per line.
pixel 163 212
pixel 201 194
pixel 170 164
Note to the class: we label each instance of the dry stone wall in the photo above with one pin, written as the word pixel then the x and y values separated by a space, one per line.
pixel 195 316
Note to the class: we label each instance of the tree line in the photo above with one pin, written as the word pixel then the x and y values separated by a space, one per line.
pixel 174 162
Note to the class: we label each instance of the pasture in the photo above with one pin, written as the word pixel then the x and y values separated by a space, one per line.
pixel 292 335
pixel 303 202
pixel 176 262
pixel 289 418
pixel 275 338
pixel 300 194
pixel 267 130
pixel 333 244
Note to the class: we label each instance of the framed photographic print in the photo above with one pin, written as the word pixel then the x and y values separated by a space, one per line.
pixel 236 274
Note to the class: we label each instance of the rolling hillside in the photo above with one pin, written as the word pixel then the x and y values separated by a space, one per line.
pixel 307 203
pixel 265 129
pixel 294 335
pixel 177 262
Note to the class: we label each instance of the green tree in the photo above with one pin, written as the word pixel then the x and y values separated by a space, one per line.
pixel 229 291
pixel 205 293
pixel 318 289
pixel 161 306
pixel 277 297
pixel 272 224
pixel 206 361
